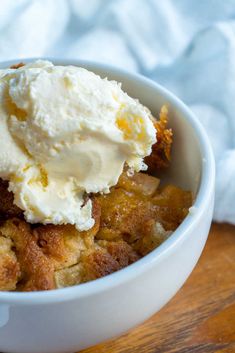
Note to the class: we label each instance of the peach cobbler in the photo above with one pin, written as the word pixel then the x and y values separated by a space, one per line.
pixel 80 197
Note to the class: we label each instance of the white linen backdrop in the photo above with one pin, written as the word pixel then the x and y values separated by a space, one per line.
pixel 186 45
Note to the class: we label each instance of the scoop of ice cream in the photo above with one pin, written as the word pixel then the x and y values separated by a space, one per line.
pixel 64 133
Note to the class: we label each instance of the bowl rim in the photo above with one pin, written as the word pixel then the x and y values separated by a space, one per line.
pixel 205 192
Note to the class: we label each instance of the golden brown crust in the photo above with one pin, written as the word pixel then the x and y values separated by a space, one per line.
pixel 40 250
pixel 173 204
pixel 37 271
pixel 109 258
pixel 97 264
pixel 153 236
pixel 122 253
pixel 63 243
pixel 51 240
pixel 51 256
pixel 9 266
pixel 123 214
pixel 161 150
pixel 7 208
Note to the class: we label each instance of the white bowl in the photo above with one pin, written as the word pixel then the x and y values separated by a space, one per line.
pixel 70 319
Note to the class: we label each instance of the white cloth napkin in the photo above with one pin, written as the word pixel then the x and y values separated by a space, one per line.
pixel 186 45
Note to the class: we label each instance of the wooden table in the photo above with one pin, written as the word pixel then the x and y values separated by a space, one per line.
pixel 201 317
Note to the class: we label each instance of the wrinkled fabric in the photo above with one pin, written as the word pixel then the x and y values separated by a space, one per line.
pixel 186 45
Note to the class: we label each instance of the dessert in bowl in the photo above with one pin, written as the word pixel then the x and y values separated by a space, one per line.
pixel 120 213
pixel 78 166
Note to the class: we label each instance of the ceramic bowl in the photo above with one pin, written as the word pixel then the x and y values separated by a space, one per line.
pixel 70 319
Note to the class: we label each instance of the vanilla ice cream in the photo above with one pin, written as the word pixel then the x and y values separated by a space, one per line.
pixel 64 133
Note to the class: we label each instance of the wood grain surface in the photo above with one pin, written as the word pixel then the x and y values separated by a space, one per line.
pixel 201 317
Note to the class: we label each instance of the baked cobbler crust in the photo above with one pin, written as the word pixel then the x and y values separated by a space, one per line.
pixel 133 219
